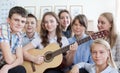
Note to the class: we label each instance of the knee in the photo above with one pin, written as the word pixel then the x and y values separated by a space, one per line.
pixel 21 69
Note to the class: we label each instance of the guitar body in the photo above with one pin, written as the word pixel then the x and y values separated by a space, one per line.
pixel 56 61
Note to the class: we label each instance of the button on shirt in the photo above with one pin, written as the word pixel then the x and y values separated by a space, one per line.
pixel 83 52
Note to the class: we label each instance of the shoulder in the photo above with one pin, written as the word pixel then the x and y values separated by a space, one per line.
pixel 63 37
pixel 86 37
pixel 113 70
pixel 72 39
pixel 84 65
pixel 64 41
pixel 110 69
pixel 4 31
pixel 4 26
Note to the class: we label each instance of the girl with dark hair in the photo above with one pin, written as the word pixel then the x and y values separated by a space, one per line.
pixel 65 22
pixel 82 53
pixel 50 33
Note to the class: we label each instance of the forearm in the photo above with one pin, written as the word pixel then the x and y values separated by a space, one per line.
pixel 15 63
pixel 18 58
pixel 28 56
pixel 7 67
pixel 8 56
pixel 70 58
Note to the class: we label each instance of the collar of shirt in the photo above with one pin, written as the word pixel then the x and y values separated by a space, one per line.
pixel 106 70
pixel 83 36
pixel 35 35
pixel 52 40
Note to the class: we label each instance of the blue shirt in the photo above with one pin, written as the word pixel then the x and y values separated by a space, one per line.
pixel 67 33
pixel 83 52
pixel 27 40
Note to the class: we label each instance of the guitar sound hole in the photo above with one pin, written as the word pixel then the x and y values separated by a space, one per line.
pixel 48 57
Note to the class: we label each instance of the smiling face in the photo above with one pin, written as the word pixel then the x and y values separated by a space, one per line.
pixel 78 28
pixel 16 22
pixel 103 24
pixel 64 19
pixel 31 25
pixel 50 23
pixel 100 54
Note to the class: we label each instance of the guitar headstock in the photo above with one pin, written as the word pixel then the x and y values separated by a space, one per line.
pixel 100 34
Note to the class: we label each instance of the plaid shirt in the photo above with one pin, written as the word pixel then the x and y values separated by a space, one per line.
pixel 13 39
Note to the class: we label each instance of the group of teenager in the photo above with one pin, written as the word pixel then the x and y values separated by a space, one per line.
pixel 94 56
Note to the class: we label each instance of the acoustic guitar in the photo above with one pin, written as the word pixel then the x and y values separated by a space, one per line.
pixel 53 54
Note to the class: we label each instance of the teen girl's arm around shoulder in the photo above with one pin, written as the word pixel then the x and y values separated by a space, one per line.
pixel 29 57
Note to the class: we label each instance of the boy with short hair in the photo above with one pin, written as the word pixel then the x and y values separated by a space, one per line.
pixel 11 56
pixel 30 30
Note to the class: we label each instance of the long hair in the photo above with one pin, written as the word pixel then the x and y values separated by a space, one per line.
pixel 110 60
pixel 113 32
pixel 66 11
pixel 44 32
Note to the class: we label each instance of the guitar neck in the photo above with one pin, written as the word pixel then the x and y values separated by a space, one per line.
pixel 66 48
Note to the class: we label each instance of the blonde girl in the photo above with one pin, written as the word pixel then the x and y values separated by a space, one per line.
pixel 101 54
pixel 106 22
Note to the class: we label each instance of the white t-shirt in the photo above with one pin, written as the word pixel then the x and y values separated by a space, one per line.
pixel 37 42
pixel 91 68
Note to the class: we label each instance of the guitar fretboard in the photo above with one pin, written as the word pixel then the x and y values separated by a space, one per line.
pixel 66 48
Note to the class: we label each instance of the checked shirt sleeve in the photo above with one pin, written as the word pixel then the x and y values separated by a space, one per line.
pixel 4 32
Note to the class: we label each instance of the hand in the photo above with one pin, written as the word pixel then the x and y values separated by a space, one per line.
pixel 75 69
pixel 5 69
pixel 74 46
pixel 39 59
